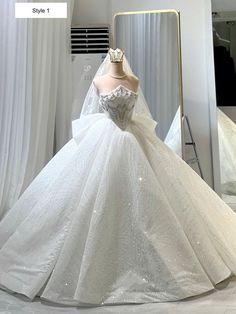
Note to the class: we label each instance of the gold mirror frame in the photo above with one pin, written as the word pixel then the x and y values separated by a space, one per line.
pixel 180 76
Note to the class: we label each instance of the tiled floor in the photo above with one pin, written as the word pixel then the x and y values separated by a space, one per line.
pixel 221 301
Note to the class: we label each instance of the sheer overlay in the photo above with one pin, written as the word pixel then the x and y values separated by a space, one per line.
pixel 116 217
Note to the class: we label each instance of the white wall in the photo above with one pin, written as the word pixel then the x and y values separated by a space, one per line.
pixel 223 5
pixel 91 12
pixel 197 57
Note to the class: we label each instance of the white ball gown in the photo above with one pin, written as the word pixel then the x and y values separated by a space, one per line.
pixel 116 217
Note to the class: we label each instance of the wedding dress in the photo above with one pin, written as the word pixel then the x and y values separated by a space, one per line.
pixel 227 145
pixel 227 150
pixel 116 217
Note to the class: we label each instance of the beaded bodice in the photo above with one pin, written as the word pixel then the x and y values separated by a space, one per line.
pixel 118 105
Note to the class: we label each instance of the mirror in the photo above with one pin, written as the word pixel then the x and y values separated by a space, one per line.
pixel 151 41
pixel 224 37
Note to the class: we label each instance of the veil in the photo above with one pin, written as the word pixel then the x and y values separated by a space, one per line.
pixel 91 102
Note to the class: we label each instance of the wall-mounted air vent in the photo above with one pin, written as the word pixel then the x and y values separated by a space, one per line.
pixel 90 39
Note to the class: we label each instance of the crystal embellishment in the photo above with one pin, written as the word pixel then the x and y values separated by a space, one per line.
pixel 116 55
pixel 118 105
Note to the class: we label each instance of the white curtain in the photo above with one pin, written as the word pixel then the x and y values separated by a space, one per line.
pixel 151 45
pixel 35 96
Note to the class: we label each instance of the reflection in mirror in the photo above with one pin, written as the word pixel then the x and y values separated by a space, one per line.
pixel 224 36
pixel 151 44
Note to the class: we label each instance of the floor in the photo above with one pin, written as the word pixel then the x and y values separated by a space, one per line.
pixel 221 301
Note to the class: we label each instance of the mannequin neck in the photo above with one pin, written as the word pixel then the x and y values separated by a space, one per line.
pixel 116 69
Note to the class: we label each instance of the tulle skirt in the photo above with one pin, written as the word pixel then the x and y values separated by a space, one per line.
pixel 116 217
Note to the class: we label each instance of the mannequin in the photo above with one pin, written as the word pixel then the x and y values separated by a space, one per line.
pixel 116 75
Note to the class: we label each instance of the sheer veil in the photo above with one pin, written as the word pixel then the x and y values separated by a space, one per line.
pixel 91 102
